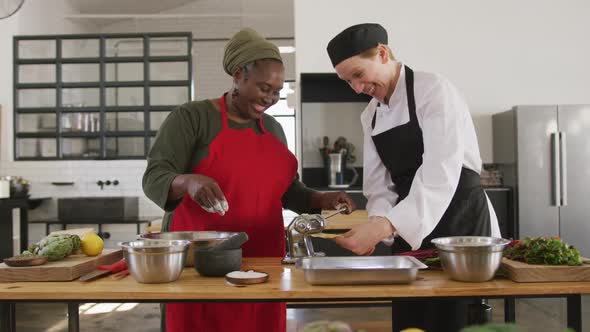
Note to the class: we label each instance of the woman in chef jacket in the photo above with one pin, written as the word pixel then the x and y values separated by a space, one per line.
pixel 421 156
pixel 222 164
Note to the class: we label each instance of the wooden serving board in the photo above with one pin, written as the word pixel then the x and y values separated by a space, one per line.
pixel 523 272
pixel 70 268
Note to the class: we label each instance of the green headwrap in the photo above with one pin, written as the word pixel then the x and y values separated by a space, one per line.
pixel 246 46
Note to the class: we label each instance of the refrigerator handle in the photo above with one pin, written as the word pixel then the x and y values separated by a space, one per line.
pixel 563 167
pixel 556 172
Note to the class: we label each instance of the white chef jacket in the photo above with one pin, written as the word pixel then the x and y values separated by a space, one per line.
pixel 449 144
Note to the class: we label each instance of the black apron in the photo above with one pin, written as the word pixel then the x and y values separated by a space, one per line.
pixel 400 149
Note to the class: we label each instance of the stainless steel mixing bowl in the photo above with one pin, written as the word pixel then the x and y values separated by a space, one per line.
pixel 470 258
pixel 198 240
pixel 155 261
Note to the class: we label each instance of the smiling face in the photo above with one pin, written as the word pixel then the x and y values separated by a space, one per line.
pixel 258 85
pixel 372 75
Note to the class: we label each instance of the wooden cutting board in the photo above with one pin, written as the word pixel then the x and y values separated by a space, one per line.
pixel 523 272
pixel 345 222
pixel 70 268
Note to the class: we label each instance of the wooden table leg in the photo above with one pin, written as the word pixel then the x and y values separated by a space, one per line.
pixel 73 317
pixel 509 309
pixel 7 317
pixel 574 312
pixel 24 228
pixel 6 232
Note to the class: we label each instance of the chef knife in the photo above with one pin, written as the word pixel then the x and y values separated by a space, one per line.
pixel 94 275
pixel 104 270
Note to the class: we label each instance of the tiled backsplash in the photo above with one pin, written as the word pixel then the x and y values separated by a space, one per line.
pixel 84 175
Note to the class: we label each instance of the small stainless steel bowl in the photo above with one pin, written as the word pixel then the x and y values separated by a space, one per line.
pixel 155 261
pixel 198 240
pixel 470 258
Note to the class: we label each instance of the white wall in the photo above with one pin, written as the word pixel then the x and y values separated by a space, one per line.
pixel 499 53
pixel 218 20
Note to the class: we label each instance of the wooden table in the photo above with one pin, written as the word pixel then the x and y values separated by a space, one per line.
pixel 286 283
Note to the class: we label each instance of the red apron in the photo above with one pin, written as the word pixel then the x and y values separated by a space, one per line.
pixel 253 171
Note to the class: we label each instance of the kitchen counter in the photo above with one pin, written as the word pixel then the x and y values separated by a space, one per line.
pixel 286 283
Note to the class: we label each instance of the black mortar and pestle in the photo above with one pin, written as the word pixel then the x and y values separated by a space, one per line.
pixel 221 259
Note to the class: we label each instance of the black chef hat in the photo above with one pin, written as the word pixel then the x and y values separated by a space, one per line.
pixel 355 40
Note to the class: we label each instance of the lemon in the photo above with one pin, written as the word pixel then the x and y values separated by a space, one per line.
pixel 91 244
pixel 412 329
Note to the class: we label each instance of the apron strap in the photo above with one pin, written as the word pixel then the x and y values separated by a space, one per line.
pixel 375 116
pixel 410 93
pixel 409 77
pixel 222 108
pixel 224 121
pixel 261 125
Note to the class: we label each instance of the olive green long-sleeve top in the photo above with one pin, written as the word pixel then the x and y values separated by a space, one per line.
pixel 183 141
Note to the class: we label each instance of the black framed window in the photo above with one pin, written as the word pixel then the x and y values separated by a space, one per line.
pixel 285 114
pixel 96 96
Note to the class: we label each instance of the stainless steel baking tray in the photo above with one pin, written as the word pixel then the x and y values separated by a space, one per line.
pixel 360 270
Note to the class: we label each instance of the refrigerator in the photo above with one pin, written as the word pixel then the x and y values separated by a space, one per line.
pixel 543 152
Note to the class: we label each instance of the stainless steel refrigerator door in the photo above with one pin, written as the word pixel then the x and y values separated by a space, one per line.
pixel 537 209
pixel 574 215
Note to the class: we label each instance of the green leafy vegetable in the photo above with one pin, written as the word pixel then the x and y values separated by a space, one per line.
pixel 493 328
pixel 545 251
pixel 56 247
pixel 433 262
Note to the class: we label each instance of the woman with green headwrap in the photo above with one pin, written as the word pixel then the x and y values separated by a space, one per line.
pixel 223 165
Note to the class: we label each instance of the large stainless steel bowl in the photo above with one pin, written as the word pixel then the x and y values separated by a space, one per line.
pixel 198 240
pixel 470 258
pixel 155 261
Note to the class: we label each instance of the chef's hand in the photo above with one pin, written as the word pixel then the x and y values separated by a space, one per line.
pixel 206 192
pixel 363 238
pixel 332 201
